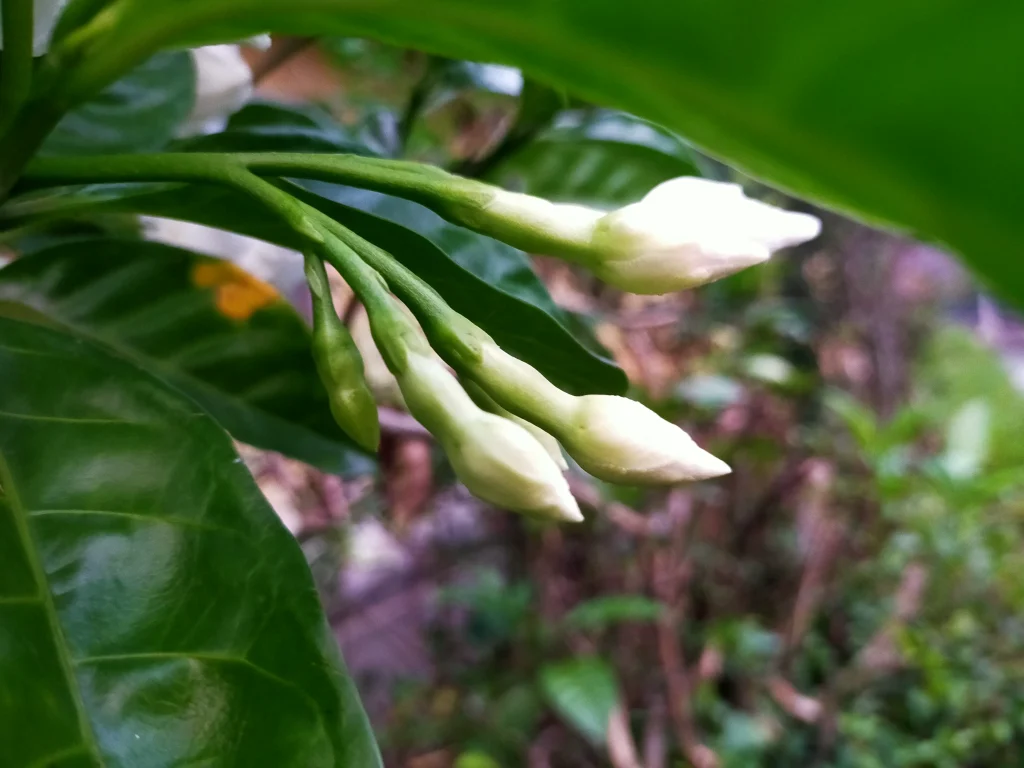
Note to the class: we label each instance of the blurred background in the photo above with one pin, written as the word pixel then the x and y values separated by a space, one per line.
pixel 851 595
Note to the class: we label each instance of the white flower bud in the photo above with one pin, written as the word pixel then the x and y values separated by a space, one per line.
pixel 613 438
pixel 486 402
pixel 690 231
pixel 684 233
pixel 223 86
pixel 623 441
pixel 496 459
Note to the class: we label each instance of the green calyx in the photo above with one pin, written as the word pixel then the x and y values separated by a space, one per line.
pixel 340 365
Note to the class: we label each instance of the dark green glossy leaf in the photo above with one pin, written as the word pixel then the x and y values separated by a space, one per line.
pixel 228 340
pixel 140 112
pixel 906 113
pixel 271 127
pixel 584 692
pixel 154 612
pixel 538 106
pixel 605 159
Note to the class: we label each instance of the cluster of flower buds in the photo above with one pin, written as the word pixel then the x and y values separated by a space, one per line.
pixel 502 424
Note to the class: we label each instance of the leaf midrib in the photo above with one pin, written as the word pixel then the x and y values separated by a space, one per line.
pixel 45 598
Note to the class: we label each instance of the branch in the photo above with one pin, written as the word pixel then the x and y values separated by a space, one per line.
pixel 668 576
pixel 622 752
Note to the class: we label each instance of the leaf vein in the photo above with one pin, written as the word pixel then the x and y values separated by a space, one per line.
pixel 20 516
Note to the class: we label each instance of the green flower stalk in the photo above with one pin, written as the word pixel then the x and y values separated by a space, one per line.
pixel 340 365
pixel 684 233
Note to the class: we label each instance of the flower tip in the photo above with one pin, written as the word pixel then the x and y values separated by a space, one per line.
pixel 795 228
pixel 706 466
pixel 569 511
pixel 369 442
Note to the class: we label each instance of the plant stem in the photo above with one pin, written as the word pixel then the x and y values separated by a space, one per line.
pixel 16 75
pixel 360 262
pixel 446 328
pixel 23 138
pixel 424 184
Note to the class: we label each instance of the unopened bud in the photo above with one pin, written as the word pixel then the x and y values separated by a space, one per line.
pixel 613 438
pixel 684 233
pixel 486 402
pixel 690 231
pixel 341 367
pixel 623 441
pixel 496 459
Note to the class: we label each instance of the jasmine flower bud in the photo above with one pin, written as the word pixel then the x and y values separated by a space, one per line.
pixel 623 441
pixel 690 231
pixel 496 459
pixel 549 443
pixel 613 438
pixel 684 233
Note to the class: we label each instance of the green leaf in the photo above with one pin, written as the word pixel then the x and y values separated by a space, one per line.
pixel 225 338
pixel 967 440
pixel 905 113
pixel 476 760
pixel 154 612
pixel 604 611
pixel 584 692
pixel 271 127
pixel 141 112
pixel 956 368
pixel 604 159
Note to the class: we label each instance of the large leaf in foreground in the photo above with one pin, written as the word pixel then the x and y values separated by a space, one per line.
pixel 227 339
pixel 906 112
pixel 154 612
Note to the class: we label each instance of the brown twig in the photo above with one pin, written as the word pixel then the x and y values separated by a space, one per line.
pixel 655 751
pixel 655 526
pixel 622 752
pixel 670 578
pixel 791 701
